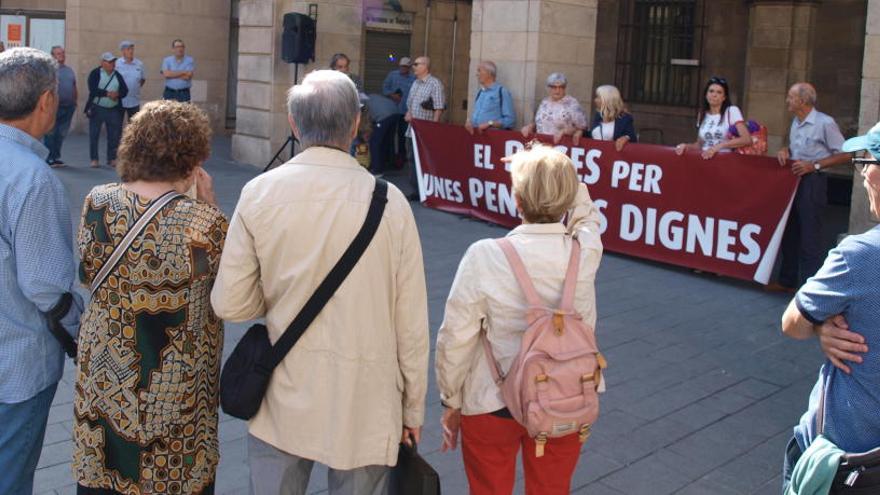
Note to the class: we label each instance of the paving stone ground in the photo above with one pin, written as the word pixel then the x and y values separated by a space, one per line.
pixel 703 389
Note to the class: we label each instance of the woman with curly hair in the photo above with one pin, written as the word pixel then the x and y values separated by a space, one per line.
pixel 150 345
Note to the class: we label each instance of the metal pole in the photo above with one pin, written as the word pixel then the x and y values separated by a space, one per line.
pixel 427 26
pixel 454 41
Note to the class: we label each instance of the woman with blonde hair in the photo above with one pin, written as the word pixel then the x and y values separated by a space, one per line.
pixel 485 296
pixel 145 401
pixel 612 122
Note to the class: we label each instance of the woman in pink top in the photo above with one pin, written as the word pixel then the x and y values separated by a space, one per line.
pixel 485 295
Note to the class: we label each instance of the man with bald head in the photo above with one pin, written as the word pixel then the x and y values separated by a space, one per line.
pixel 815 144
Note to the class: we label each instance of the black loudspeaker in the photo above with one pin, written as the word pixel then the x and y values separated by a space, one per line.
pixel 298 39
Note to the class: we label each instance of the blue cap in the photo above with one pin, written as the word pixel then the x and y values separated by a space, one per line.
pixel 870 141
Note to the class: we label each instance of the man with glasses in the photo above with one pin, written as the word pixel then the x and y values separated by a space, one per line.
pixel 426 101
pixel 841 306
pixel 815 144
pixel 178 71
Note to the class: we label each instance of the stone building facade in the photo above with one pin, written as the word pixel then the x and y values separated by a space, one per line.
pixel 659 53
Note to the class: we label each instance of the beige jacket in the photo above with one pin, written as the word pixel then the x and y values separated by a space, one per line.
pixel 485 293
pixel 359 373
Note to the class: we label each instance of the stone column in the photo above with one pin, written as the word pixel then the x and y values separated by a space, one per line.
pixel 261 117
pixel 530 39
pixel 780 48
pixel 860 218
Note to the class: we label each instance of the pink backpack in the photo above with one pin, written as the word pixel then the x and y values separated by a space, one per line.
pixel 553 384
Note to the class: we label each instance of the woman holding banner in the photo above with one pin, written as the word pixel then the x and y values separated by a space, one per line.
pixel 486 295
pixel 611 122
pixel 559 114
pixel 714 121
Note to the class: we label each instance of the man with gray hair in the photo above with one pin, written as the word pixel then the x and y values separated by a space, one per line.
pixel 493 106
pixel 353 387
pixel 67 96
pixel 815 144
pixel 36 263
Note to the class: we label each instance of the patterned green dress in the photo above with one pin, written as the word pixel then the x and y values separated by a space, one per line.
pixel 150 347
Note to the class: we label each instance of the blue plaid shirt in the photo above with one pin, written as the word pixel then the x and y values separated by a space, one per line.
pixel 36 267
pixel 847 284
pixel 395 81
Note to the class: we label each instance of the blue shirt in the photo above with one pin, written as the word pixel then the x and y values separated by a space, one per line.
pixel 171 63
pixel 494 103
pixel 36 267
pixel 396 81
pixel 847 284
pixel 815 138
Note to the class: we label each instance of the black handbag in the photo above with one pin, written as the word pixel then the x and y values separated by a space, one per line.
pixel 858 472
pixel 246 374
pixel 413 475
pixel 428 104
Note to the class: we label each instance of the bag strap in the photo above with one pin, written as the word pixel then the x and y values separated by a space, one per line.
pixel 130 236
pixel 105 86
pixel 568 288
pixel 332 281
pixel 520 272
pixel 54 316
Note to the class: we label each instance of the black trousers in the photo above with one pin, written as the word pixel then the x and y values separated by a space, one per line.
pixel 802 250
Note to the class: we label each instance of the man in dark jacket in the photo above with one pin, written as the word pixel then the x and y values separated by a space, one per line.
pixel 106 90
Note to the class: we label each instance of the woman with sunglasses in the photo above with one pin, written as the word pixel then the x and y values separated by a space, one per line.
pixel 559 114
pixel 715 118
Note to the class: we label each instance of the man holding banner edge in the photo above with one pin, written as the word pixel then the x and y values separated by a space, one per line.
pixel 815 143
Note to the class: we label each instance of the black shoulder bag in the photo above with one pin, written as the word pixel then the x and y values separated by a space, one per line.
pixel 247 372
pixel 858 472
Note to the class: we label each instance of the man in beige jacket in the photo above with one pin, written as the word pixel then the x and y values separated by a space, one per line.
pixel 354 385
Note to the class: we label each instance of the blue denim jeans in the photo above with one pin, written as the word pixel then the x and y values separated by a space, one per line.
pixel 22 427
pixel 56 136
pixel 181 95
pixel 112 118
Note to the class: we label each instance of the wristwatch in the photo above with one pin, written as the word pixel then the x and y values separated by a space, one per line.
pixel 491 123
pixel 817 166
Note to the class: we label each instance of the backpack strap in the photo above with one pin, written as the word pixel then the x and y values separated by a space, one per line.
pixel 519 271
pixel 574 265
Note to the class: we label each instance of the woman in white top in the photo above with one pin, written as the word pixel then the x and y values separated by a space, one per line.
pixel 485 295
pixel 612 122
pixel 559 114
pixel 714 121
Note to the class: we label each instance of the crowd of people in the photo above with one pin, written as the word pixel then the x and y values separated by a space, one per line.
pixel 164 267
pixel 114 94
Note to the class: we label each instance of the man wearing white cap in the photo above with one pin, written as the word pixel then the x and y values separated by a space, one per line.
pixel 840 305
pixel 106 90
pixel 396 86
pixel 132 70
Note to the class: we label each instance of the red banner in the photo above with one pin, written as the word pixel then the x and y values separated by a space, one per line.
pixel 725 215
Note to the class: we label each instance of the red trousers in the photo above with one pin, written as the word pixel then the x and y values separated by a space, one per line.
pixel 489 445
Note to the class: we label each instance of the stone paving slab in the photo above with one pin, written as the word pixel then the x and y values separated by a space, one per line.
pixel 703 389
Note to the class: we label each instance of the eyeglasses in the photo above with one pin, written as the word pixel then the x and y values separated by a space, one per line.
pixel 417 63
pixel 862 163
pixel 556 86
pixel 717 80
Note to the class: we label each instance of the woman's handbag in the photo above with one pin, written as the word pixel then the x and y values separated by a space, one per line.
pixel 413 475
pixel 246 374
pixel 858 473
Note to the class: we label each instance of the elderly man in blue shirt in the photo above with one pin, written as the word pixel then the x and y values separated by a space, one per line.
pixel 396 86
pixel 36 263
pixel 840 305
pixel 493 106
pixel 815 144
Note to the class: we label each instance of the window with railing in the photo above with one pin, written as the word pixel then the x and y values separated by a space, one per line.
pixel 658 51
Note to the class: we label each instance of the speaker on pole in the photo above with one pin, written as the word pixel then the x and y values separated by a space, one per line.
pixel 298 39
